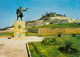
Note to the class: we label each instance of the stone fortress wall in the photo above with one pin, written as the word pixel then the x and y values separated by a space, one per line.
pixel 47 31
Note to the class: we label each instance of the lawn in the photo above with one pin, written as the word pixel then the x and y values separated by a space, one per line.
pixel 51 48
pixel 36 34
pixel 6 34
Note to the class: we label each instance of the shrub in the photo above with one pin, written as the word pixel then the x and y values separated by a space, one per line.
pixel 45 40
pixel 57 43
pixel 68 48
pixel 53 40
pixel 78 37
pixel 73 35
pixel 68 45
pixel 48 41
pixel 59 35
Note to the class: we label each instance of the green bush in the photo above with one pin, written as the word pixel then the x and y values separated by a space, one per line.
pixel 68 49
pixel 78 37
pixel 59 35
pixel 68 45
pixel 57 43
pixel 48 41
pixel 73 35
pixel 53 39
pixel 45 41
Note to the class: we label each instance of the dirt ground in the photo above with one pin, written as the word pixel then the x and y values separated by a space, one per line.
pixel 16 47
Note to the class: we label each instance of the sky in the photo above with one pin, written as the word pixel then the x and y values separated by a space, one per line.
pixel 36 8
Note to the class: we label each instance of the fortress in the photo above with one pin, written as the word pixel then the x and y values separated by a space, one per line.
pixel 50 18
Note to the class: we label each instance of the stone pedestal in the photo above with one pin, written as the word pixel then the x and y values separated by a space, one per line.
pixel 19 29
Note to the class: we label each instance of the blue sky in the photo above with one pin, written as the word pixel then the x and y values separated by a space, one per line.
pixel 36 8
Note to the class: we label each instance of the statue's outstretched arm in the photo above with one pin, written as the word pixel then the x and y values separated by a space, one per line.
pixel 25 9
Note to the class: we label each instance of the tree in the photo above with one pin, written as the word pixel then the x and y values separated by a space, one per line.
pixel 46 13
pixel 65 15
pixel 42 15
pixel 68 45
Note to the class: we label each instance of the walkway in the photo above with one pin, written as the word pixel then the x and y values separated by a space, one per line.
pixel 16 48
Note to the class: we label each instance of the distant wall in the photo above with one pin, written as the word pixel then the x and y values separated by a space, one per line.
pixel 46 31
pixel 32 30
pixel 72 30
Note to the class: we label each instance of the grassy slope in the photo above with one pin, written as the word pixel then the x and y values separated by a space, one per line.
pixel 58 26
pixel 39 50
pixel 6 34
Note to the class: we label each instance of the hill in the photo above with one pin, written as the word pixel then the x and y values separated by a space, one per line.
pixel 50 18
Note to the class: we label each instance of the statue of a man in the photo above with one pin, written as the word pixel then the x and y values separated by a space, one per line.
pixel 20 12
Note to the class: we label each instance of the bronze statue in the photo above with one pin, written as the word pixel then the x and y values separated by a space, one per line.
pixel 20 12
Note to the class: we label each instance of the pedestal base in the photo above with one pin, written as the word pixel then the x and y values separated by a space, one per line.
pixel 19 29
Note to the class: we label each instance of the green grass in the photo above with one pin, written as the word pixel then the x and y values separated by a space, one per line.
pixel 31 34
pixel 48 35
pixel 41 50
pixel 36 34
pixel 6 34
pixel 71 25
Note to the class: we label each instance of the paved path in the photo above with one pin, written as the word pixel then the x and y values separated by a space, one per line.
pixel 16 48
